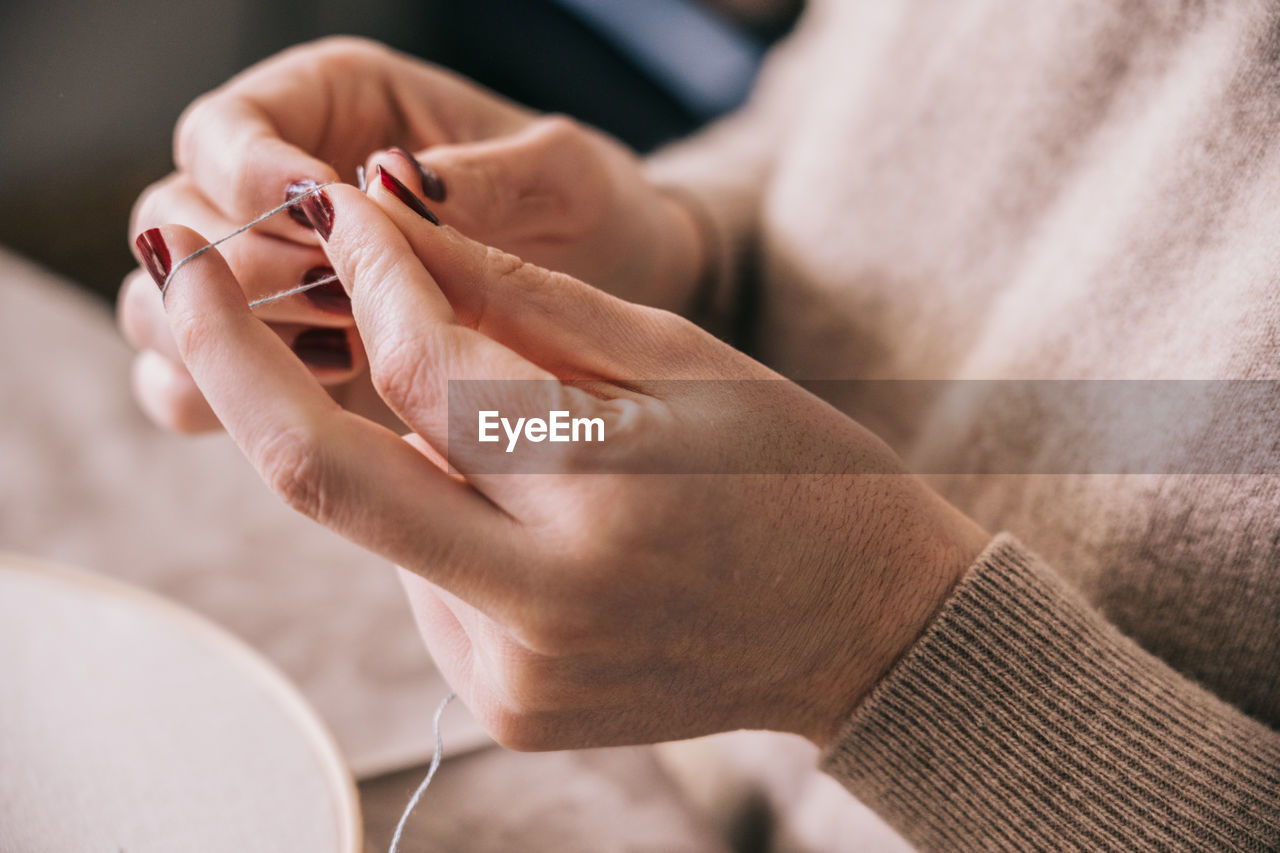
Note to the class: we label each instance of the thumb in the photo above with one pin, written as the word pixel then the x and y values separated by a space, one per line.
pixel 567 327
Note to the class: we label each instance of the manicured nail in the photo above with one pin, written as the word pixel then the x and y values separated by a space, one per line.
pixel 155 255
pixel 324 348
pixel 406 196
pixel 432 183
pixel 329 296
pixel 315 211
pixel 294 190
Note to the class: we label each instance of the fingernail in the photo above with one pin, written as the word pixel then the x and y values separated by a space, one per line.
pixel 324 348
pixel 329 296
pixel 155 255
pixel 294 190
pixel 432 183
pixel 406 196
pixel 315 211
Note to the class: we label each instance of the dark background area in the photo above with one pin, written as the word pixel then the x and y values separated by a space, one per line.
pixel 92 91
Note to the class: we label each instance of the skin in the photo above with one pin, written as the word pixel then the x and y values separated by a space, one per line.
pixel 543 187
pixel 576 606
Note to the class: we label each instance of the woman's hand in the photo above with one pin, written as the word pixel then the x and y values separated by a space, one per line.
pixel 546 188
pixel 584 604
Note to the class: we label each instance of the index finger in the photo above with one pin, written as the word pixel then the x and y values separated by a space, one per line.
pixel 234 153
pixel 415 342
pixel 351 475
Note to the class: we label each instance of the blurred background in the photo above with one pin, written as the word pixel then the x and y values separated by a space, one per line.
pixel 92 90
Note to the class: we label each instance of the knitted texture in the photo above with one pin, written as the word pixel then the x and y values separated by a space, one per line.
pixel 1084 190
pixel 1021 720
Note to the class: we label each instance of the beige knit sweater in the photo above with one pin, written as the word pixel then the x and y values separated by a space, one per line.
pixel 1003 189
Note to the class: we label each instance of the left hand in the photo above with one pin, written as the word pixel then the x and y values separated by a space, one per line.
pixel 549 188
pixel 587 607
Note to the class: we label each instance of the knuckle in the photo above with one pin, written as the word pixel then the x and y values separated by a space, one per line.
pixel 569 147
pixel 189 128
pixel 345 49
pixel 400 369
pixel 293 465
pixel 328 56
pixel 190 331
pixel 520 731
pixel 239 185
pixel 502 270
pixel 504 266
pixel 558 129
pixel 148 209
pixel 494 192
pixel 505 270
pixel 367 257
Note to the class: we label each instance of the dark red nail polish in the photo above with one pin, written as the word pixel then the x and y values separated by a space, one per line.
pixel 432 183
pixel 155 255
pixel 319 211
pixel 294 190
pixel 315 211
pixel 329 296
pixel 324 348
pixel 406 196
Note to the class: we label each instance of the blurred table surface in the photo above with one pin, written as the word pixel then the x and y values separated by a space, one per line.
pixel 131 723
pixel 88 482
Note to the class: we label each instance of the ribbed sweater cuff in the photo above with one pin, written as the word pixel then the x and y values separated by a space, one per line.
pixel 1021 720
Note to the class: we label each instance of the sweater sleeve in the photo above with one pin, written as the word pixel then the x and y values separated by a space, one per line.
pixel 1022 720
pixel 722 172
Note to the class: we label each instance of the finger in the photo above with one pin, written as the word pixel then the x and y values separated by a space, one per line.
pixel 573 330
pixel 264 265
pixel 248 141
pixel 352 476
pixel 464 644
pixel 141 317
pixel 169 397
pixel 442 632
pixel 426 182
pixel 233 151
pixel 414 341
pixel 540 184
pixel 164 389
pixel 334 355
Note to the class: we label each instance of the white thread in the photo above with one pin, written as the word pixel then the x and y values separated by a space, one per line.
pixel 438 755
pixel 298 199
pixel 431 772
pixel 302 288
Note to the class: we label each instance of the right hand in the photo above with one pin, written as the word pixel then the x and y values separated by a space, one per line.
pixel 542 187
pixel 571 599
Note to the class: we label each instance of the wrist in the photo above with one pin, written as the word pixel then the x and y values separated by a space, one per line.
pixel 932 555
